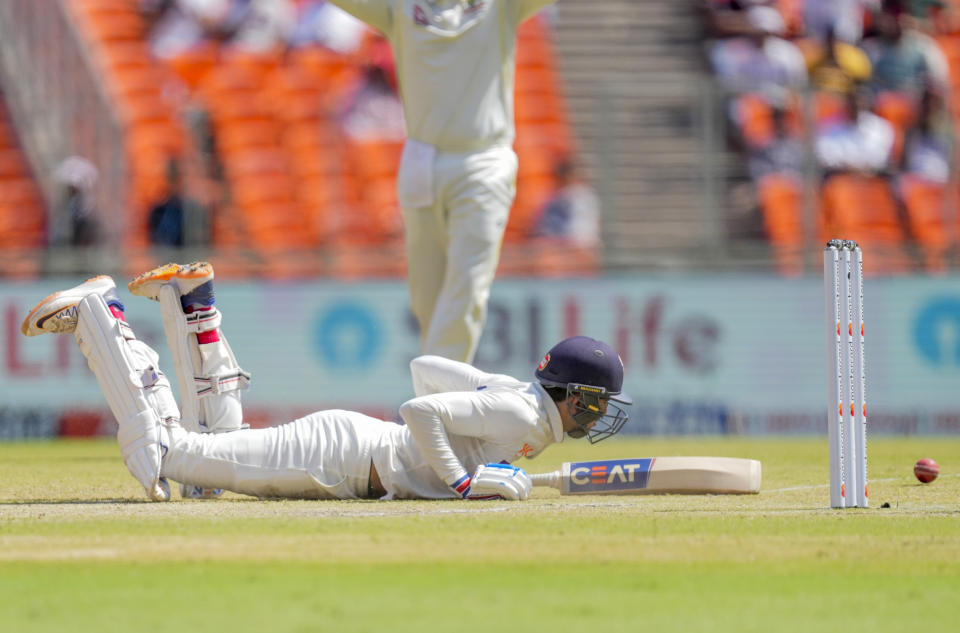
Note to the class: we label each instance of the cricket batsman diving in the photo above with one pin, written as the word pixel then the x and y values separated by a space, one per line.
pixel 455 64
pixel 462 429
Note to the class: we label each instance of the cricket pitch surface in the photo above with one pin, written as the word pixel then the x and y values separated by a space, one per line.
pixel 81 549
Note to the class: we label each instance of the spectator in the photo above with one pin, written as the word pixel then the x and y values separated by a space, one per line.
pixel 722 19
pixel 762 60
pixel 835 66
pixel 929 143
pixel 572 213
pixel 904 59
pixel 374 110
pixel 78 224
pixel 177 220
pixel 320 22
pixel 260 26
pixel 840 18
pixel 177 26
pixel 860 142
pixel 782 153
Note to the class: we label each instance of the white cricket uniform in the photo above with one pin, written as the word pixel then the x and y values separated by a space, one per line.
pixel 457 177
pixel 464 418
pixel 461 418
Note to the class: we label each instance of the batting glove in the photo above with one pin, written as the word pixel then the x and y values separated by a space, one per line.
pixel 500 481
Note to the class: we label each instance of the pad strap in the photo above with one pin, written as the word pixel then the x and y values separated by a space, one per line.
pixel 238 380
pixel 203 321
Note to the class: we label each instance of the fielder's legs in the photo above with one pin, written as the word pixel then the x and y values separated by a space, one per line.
pixel 477 191
pixel 127 370
pixel 426 246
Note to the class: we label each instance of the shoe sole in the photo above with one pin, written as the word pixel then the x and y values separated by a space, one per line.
pixel 25 326
pixel 166 273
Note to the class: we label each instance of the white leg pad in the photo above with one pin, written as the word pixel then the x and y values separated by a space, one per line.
pixel 209 378
pixel 137 392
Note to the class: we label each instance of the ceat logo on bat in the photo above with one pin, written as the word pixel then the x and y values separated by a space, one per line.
pixel 610 474
pixel 543 363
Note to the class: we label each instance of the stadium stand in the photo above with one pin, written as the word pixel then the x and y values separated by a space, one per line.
pixel 285 178
pixel 136 84
pixel 22 208
pixel 781 201
pixel 294 180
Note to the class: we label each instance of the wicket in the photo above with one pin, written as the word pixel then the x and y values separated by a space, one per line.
pixel 846 393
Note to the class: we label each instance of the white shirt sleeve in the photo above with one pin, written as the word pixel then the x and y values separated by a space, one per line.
pixel 435 374
pixel 376 13
pixel 499 416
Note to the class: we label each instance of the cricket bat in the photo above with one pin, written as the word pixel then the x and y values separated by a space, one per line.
pixel 655 475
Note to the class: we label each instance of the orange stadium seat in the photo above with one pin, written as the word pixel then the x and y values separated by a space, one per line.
pixel 862 208
pixel 534 47
pixel 257 64
pixel 543 131
pixel 112 25
pixel 12 163
pixel 370 182
pixel 900 110
pixel 781 203
pixel 245 135
pixel 224 80
pixel 261 189
pixel 144 108
pixel 305 137
pixel 754 120
pixel 926 203
pixel 23 214
pixel 135 81
pixel 276 225
pixel 149 136
pixel 828 105
pixel 194 65
pixel 332 72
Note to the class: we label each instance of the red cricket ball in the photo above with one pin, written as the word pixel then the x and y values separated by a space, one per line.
pixel 926 470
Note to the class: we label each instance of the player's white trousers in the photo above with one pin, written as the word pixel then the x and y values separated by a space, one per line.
pixel 326 455
pixel 453 246
pixel 135 389
pixel 322 456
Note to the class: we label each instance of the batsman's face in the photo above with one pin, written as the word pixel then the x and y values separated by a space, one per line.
pixel 579 417
pixel 589 413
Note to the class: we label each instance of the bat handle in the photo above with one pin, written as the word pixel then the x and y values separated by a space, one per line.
pixel 551 480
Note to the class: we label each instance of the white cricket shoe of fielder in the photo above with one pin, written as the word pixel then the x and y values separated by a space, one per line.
pixel 186 277
pixel 57 314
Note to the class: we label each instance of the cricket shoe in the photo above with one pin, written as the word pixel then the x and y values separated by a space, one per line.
pixel 57 313
pixel 194 282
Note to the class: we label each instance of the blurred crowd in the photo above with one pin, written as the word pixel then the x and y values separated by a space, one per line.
pixel 294 108
pixel 852 94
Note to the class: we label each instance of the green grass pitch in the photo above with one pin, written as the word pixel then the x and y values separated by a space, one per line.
pixel 81 550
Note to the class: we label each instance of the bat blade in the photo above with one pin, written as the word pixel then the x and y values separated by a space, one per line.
pixel 656 475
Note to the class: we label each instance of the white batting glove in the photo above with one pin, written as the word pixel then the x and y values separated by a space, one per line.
pixel 500 481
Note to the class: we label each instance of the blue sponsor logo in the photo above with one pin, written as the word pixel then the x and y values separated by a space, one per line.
pixel 609 475
pixel 936 331
pixel 348 336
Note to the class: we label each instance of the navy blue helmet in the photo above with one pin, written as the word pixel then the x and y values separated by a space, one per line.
pixel 591 371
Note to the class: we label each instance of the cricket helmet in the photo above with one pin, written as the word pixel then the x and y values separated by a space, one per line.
pixel 592 372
